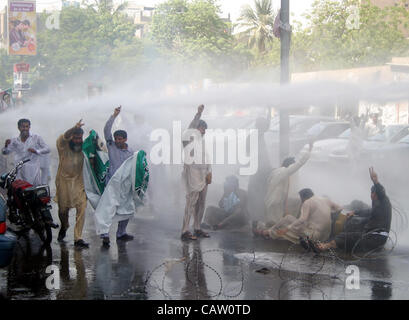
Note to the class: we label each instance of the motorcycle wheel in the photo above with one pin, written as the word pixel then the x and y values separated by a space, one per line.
pixel 45 234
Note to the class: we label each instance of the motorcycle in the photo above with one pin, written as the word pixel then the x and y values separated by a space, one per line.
pixel 28 206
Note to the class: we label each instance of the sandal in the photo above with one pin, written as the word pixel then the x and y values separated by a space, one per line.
pixel 201 233
pixel 188 236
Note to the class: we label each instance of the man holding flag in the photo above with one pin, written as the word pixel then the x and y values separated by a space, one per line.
pixel 118 152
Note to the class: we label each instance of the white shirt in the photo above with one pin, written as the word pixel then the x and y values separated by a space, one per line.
pixel 194 174
pixel 30 171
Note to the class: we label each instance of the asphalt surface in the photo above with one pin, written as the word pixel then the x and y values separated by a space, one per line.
pixel 228 265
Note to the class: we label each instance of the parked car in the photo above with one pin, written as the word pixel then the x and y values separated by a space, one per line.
pixel 391 135
pixel 323 148
pixel 7 240
pixel 393 159
pixel 325 130
pixel 299 126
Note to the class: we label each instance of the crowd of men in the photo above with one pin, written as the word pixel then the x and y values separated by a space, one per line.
pixel 316 224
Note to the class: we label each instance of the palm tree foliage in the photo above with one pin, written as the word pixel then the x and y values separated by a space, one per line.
pixel 258 23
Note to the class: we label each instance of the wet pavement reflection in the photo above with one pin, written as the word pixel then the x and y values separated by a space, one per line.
pixel 157 265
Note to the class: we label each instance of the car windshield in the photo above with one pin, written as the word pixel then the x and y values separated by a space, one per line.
pixel 400 135
pixel 387 134
pixel 316 129
pixel 297 125
pixel 405 140
pixel 345 134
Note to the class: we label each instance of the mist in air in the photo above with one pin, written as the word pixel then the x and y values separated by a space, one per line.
pixel 150 102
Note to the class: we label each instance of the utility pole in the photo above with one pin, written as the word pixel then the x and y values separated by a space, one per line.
pixel 285 38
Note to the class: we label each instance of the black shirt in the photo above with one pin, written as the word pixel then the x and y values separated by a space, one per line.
pixel 380 216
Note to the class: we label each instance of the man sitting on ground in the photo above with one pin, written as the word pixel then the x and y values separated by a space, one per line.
pixel 374 232
pixel 314 222
pixel 232 211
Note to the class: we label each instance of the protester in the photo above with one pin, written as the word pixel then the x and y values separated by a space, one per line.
pixel 372 231
pixel 232 211
pixel 258 182
pixel 276 199
pixel 355 142
pixel 118 152
pixel 314 222
pixel 27 146
pixel 374 126
pixel 69 181
pixel 197 175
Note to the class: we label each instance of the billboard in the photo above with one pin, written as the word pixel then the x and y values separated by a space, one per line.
pixel 22 26
pixel 6 99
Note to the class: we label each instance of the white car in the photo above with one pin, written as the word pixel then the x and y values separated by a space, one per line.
pixel 323 148
pixel 391 134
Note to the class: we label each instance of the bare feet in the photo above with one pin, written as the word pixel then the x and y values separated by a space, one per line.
pixel 326 246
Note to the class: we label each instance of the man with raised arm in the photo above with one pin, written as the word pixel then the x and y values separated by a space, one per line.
pixel 197 174
pixel 374 232
pixel 118 152
pixel 70 183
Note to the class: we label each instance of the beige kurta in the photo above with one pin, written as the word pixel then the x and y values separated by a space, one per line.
pixel 314 221
pixel 277 190
pixel 69 180
pixel 194 174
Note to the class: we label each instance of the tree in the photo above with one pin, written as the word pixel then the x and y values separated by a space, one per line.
pixel 93 39
pixel 191 32
pixel 330 40
pixel 259 23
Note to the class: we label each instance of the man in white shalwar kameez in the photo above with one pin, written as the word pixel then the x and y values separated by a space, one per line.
pixel 197 175
pixel 278 187
pixel 27 146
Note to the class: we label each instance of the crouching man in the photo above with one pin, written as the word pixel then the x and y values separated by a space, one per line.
pixel 374 233
pixel 232 211
pixel 314 222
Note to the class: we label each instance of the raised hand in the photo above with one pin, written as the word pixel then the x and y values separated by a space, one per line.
pixel 373 175
pixel 79 124
pixel 117 111
pixel 8 141
pixel 200 108
pixel 209 178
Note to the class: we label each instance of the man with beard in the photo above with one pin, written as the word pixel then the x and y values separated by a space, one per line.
pixel 27 146
pixel 70 184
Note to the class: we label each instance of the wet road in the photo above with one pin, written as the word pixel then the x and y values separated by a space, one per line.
pixel 157 265
pixel 229 265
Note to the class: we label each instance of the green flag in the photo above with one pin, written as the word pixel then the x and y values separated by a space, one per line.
pixel 98 160
pixel 141 174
